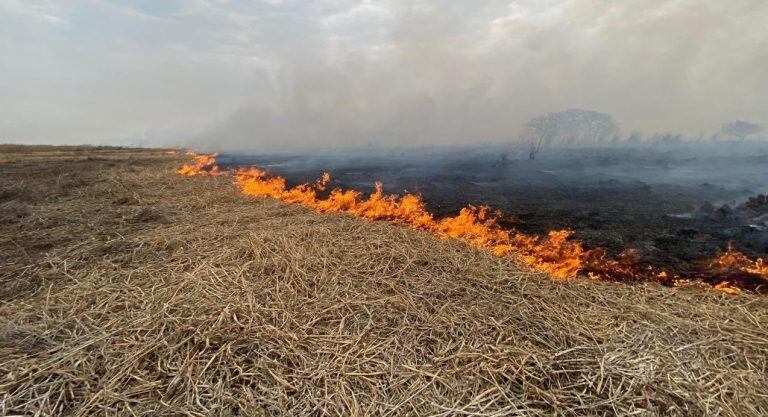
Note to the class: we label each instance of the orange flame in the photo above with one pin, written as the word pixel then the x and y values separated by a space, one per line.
pixel 555 254
pixel 732 259
pixel 201 165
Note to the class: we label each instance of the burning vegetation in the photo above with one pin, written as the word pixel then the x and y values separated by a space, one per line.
pixel 128 290
pixel 556 253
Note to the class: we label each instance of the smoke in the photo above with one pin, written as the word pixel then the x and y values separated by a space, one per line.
pixel 282 75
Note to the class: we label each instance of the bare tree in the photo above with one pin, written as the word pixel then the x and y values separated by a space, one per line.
pixel 741 129
pixel 635 137
pixel 666 139
pixel 569 127
pixel 539 131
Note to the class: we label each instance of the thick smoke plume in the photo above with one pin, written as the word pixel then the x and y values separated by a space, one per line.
pixel 279 75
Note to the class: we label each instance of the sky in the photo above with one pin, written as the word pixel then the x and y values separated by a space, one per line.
pixel 283 74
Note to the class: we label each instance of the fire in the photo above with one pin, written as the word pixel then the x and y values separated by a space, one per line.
pixel 556 254
pixel 475 226
pixel 731 260
pixel 201 165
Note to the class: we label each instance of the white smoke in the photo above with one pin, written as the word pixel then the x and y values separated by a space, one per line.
pixel 289 74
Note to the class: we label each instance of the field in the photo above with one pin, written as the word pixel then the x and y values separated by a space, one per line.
pixel 130 290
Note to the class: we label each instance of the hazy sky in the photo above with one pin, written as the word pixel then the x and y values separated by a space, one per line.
pixel 283 74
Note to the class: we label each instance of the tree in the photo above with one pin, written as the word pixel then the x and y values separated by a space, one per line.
pixel 741 129
pixel 569 127
pixel 539 131
pixel 666 139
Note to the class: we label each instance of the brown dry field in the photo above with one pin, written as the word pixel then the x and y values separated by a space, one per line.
pixel 130 290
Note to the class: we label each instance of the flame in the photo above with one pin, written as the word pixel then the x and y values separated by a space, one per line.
pixel 726 287
pixel 475 226
pixel 556 254
pixel 733 260
pixel 201 165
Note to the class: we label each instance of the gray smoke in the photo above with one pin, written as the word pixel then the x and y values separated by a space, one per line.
pixel 283 75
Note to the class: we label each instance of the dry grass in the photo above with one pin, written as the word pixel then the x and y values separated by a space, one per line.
pixel 128 290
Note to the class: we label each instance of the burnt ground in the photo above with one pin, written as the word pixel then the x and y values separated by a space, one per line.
pixel 674 203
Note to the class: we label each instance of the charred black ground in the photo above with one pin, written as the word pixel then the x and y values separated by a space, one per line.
pixel 677 205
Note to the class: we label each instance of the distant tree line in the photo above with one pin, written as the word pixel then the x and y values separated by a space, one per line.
pixel 575 127
pixel 741 129
pixel 569 127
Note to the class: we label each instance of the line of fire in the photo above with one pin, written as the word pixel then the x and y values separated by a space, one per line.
pixel 556 253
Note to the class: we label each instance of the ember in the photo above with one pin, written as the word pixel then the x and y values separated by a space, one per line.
pixel 556 254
